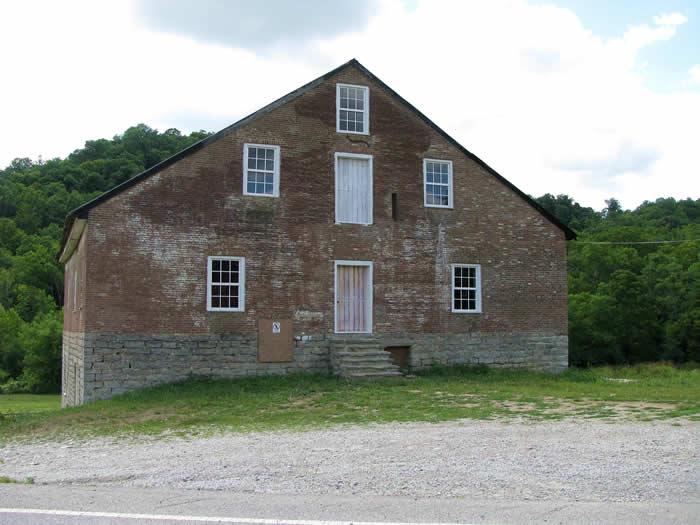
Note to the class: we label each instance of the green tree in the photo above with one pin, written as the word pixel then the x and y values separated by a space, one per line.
pixel 41 341
pixel 11 352
pixel 634 316
pixel 32 302
pixel 592 334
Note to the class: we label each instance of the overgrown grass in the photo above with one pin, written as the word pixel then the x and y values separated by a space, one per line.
pixel 643 392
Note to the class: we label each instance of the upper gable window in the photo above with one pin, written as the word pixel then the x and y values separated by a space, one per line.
pixel 352 109
pixel 437 176
pixel 261 170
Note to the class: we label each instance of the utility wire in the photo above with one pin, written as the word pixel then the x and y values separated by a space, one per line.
pixel 636 242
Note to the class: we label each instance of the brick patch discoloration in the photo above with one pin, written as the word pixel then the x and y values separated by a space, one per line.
pixel 144 255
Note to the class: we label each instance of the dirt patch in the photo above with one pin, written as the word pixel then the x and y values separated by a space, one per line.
pixel 305 401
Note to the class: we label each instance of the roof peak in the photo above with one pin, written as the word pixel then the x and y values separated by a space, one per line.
pixel 81 211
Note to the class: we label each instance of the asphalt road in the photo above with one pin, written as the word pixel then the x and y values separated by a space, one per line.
pixel 85 505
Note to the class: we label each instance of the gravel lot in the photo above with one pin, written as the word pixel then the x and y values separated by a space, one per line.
pixel 574 460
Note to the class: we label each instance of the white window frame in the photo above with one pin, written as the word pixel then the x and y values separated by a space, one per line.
pixel 370 158
pixel 241 283
pixel 365 111
pixel 275 173
pixel 369 312
pixel 450 191
pixel 476 310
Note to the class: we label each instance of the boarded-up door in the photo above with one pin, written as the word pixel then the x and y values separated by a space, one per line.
pixel 353 190
pixel 353 308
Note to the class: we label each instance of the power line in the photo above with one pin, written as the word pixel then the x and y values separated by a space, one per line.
pixel 637 242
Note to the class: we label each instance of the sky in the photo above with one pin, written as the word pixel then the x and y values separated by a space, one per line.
pixel 590 98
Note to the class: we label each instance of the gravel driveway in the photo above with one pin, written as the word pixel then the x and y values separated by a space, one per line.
pixel 574 460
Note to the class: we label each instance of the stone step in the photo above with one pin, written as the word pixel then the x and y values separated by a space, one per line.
pixel 349 357
pixel 373 374
pixel 359 358
pixel 370 366
pixel 361 353
pixel 354 340
pixel 353 346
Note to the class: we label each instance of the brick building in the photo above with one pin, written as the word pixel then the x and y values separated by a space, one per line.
pixel 331 225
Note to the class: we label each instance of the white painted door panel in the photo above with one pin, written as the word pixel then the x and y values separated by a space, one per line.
pixel 354 191
pixel 353 299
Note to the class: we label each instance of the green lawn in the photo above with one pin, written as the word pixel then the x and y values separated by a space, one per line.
pixel 644 392
pixel 28 403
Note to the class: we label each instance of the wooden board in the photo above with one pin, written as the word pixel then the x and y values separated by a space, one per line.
pixel 351 298
pixel 275 341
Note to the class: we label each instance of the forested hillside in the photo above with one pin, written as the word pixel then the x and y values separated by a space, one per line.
pixel 633 302
pixel 628 302
pixel 35 198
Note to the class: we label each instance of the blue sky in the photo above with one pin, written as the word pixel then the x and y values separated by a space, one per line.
pixel 668 62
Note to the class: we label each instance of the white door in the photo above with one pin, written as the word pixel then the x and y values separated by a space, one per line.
pixel 353 297
pixel 353 188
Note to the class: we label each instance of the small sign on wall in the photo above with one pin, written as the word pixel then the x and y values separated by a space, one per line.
pixel 275 341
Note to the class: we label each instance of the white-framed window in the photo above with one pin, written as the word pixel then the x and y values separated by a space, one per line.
pixel 261 170
pixel 225 284
pixel 466 288
pixel 437 183
pixel 352 109
pixel 353 188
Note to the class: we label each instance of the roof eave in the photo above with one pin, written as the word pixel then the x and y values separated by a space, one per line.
pixel 70 243
pixel 568 232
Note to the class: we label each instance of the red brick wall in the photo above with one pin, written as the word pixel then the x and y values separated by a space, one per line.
pixel 148 246
pixel 74 300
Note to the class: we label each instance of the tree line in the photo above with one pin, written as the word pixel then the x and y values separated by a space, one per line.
pixel 627 302
pixel 634 281
pixel 35 197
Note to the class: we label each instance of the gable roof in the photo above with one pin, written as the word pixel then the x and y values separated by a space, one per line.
pixel 82 211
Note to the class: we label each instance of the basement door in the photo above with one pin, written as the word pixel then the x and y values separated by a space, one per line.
pixel 353 188
pixel 353 297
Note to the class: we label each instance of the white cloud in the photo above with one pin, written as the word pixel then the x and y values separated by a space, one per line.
pixel 694 73
pixel 552 106
pixel 529 89
pixel 266 27
pixel 670 19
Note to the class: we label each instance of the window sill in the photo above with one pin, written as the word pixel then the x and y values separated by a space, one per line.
pixel 261 195
pixel 353 132
pixel 438 207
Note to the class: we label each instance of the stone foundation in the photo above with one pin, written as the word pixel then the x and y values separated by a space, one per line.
pixel 73 368
pixel 117 363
